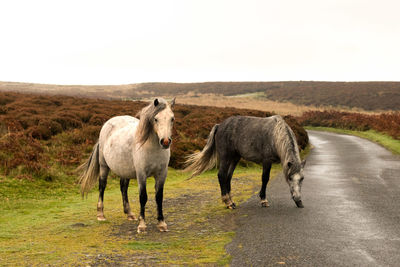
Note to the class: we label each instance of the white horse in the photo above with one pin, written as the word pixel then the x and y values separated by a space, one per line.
pixel 133 148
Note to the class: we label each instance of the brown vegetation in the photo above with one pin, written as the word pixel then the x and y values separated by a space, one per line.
pixel 363 95
pixel 37 131
pixel 388 123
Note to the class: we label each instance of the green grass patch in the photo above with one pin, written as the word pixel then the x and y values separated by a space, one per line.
pixel 48 223
pixel 377 137
pixel 146 245
pixel 255 95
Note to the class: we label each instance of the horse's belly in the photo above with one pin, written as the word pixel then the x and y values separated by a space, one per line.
pixel 251 154
pixel 121 164
pixel 256 158
pixel 118 155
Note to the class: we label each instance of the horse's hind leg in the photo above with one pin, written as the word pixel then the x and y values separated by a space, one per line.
pixel 265 179
pixel 224 182
pixel 231 169
pixel 124 184
pixel 102 186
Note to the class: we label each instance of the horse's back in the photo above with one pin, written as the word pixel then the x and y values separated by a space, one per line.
pixel 117 140
pixel 248 126
pixel 249 137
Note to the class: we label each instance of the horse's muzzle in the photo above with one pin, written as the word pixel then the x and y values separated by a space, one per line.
pixel 165 142
pixel 299 203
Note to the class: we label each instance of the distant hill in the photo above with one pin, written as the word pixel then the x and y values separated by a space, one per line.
pixel 364 95
pixel 141 90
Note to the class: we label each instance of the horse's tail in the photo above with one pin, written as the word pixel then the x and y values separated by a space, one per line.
pixel 90 171
pixel 204 160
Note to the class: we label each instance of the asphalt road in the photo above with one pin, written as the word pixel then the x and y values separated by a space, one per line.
pixel 351 195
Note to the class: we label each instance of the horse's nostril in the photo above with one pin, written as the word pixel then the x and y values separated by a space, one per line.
pixel 165 141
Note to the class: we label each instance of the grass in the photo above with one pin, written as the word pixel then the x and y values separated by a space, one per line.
pixel 43 222
pixel 258 101
pixel 384 140
pixel 257 95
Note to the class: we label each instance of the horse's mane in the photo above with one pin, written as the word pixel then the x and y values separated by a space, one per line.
pixel 146 116
pixel 286 146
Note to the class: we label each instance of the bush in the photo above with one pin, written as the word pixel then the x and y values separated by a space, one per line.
pixel 98 119
pixel 39 132
pixel 67 121
pixel 388 123
pixel 68 127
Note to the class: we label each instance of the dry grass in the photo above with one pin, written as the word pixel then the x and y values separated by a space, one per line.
pixel 257 103
pixel 370 96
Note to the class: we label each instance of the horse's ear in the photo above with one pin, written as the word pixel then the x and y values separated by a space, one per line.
pixel 156 102
pixel 303 163
pixel 172 103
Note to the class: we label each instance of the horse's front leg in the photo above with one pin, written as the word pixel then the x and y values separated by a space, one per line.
pixel 265 179
pixel 124 184
pixel 143 200
pixel 159 189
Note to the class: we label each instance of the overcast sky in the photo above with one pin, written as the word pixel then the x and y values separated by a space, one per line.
pixel 121 42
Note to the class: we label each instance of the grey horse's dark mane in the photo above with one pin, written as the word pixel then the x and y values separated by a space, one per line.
pixel 286 147
pixel 146 116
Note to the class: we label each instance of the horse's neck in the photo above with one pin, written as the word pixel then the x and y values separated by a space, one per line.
pixel 286 148
pixel 152 142
pixel 292 157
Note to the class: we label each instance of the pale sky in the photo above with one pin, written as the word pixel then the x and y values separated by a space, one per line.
pixel 122 42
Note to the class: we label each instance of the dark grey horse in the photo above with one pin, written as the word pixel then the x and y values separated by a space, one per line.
pixel 260 140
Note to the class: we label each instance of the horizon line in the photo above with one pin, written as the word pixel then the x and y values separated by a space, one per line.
pixel 200 82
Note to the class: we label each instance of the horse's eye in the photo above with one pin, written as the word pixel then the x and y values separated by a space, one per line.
pixel 155 120
pixel 172 119
pixel 301 179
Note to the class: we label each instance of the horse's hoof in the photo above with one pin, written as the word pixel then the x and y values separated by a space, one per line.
pixel 162 226
pixel 141 230
pixel 231 206
pixel 299 204
pixel 132 217
pixel 264 203
pixel 141 227
pixel 101 218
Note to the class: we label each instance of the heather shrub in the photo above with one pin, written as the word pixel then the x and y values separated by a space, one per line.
pixel 67 121
pixel 39 132
pixel 388 123
pixel 98 119
pixel 23 152
pixel 53 126
pixel 64 129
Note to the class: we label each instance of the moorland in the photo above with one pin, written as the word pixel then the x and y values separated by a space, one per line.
pixel 46 131
pixel 370 96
